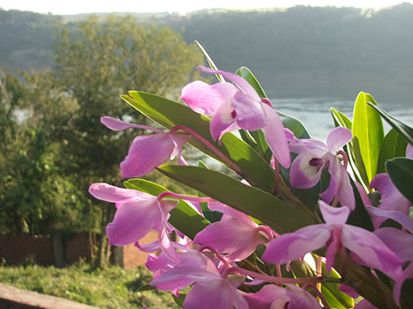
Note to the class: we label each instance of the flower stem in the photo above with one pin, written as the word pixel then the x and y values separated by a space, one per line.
pixel 223 157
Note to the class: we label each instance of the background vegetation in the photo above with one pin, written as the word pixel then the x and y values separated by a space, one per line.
pixel 109 288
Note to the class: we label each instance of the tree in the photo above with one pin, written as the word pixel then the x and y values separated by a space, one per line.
pixel 96 61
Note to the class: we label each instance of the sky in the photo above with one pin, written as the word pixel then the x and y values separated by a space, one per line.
pixel 88 6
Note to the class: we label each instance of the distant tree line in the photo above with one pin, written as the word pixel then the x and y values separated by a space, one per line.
pixel 301 51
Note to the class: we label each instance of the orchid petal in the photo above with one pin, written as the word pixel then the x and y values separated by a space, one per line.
pixel 329 194
pixel 206 99
pixel 146 153
pixel 398 241
pixel 230 236
pixel 132 221
pixel 238 80
pixel 295 245
pixel 250 114
pixel 276 137
pixel 233 213
pixel 214 294
pixel 300 298
pixel 371 250
pixel 391 198
pixel 264 298
pixel 334 215
pixel 397 216
pixel 306 171
pixel 345 193
pixel 337 138
pixel 397 288
pixel 108 193
pixel 118 125
pixel 223 121
pixel 167 246
pixel 409 151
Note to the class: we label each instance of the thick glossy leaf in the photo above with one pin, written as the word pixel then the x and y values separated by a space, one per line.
pixel 210 62
pixel 368 135
pixel 169 114
pixel 211 216
pixel 183 217
pixel 394 145
pixel 252 201
pixel 340 119
pixel 359 216
pixel 400 171
pixel 331 292
pixel 294 125
pixel 245 73
pixel 403 129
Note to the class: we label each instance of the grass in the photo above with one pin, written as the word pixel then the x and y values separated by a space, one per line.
pixel 108 288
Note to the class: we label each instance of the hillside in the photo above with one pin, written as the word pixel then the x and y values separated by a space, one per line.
pixel 301 51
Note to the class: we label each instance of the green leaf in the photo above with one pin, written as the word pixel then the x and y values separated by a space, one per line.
pixel 359 216
pixel 246 73
pixel 332 294
pixel 400 171
pixel 252 201
pixel 210 62
pixel 394 145
pixel 183 217
pixel 368 135
pixel 403 129
pixel 295 125
pixel 340 119
pixel 169 114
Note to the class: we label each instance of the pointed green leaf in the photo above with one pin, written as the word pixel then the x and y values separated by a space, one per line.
pixel 294 125
pixel 368 135
pixel 340 119
pixel 252 201
pixel 183 217
pixel 210 62
pixel 359 216
pixel 400 171
pixel 403 129
pixel 169 114
pixel 332 294
pixel 246 73
pixel 394 145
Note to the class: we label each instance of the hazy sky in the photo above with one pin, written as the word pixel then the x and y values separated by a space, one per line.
pixel 87 6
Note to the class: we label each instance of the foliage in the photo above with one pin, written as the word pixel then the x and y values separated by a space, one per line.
pixel 109 288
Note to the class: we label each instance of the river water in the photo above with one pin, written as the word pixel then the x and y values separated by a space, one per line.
pixel 315 114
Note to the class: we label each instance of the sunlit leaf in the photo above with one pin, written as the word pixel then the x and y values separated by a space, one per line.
pixel 252 201
pixel 368 135
pixel 169 114
pixel 403 129
pixel 400 171
pixel 183 217
pixel 210 61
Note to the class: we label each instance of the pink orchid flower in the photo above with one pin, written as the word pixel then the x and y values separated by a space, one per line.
pixel 335 235
pixel 236 234
pixel 237 107
pixel 137 213
pixel 314 157
pixel 272 296
pixel 393 204
pixel 210 289
pixel 148 151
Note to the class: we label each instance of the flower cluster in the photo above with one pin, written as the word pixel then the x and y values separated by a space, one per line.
pixel 244 257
